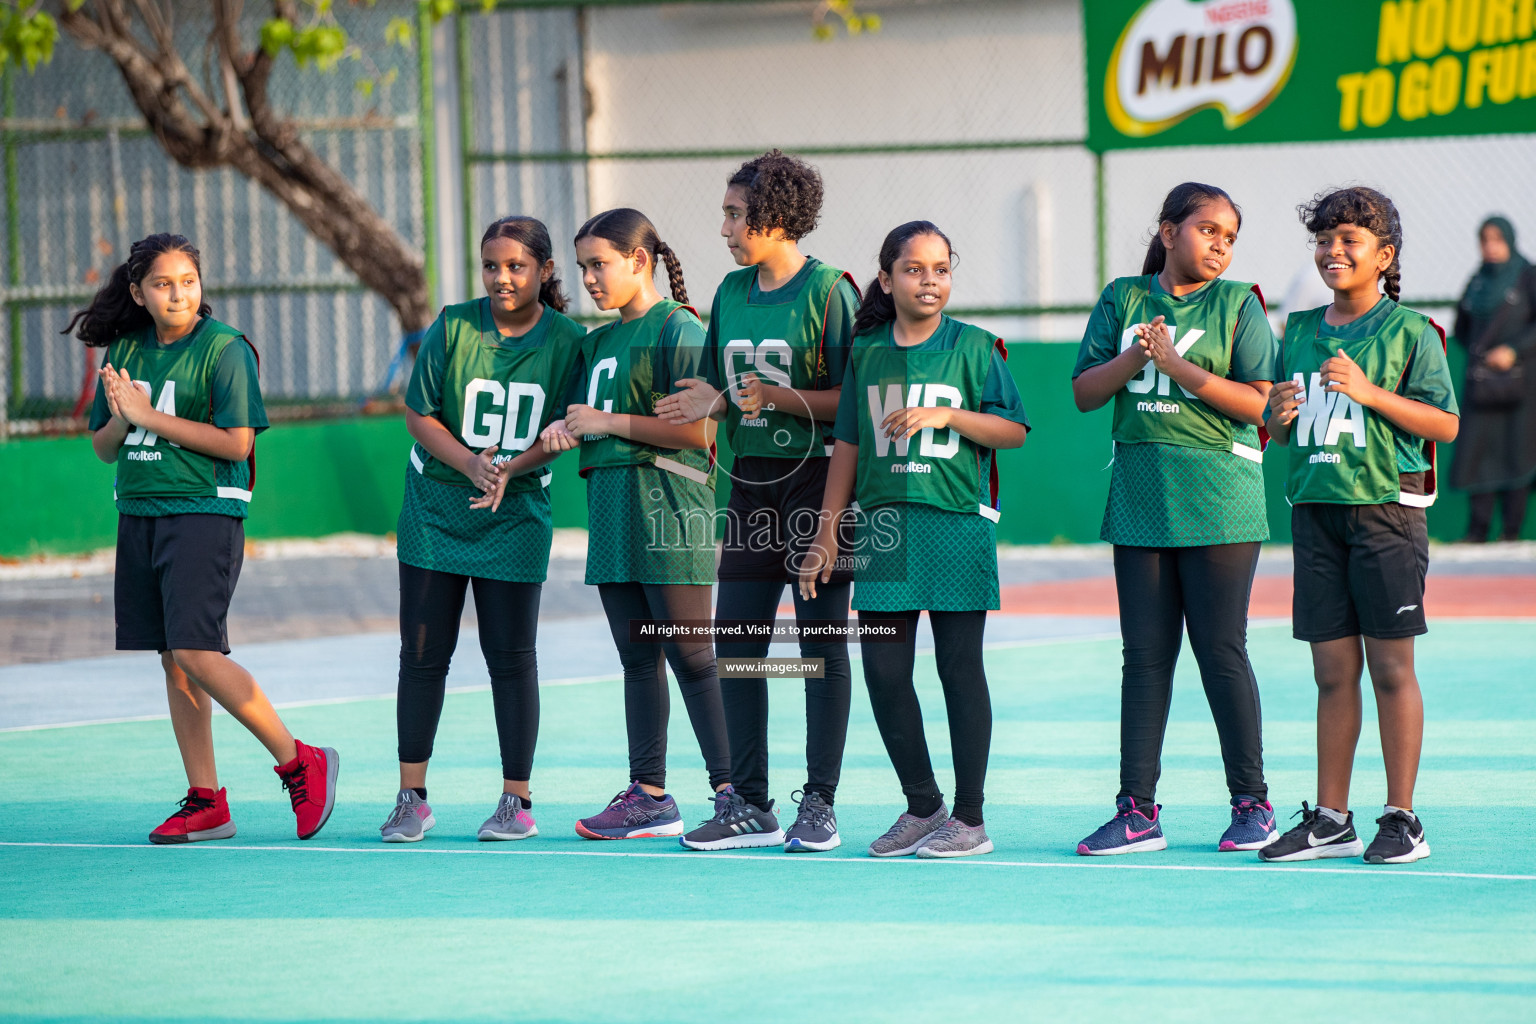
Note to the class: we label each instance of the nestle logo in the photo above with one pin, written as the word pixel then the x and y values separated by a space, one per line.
pixel 1238 10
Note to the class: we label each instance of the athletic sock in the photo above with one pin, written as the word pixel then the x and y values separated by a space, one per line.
pixel 967 817
pixel 1337 817
pixel 923 798
pixel 1388 809
pixel 924 806
pixel 420 791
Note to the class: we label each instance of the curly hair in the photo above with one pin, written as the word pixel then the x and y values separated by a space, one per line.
pixel 1365 208
pixel 782 191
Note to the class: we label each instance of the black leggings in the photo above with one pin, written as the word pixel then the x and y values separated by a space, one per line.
pixel 746 700
pixel 888 674
pixel 646 703
pixel 431 604
pixel 1161 589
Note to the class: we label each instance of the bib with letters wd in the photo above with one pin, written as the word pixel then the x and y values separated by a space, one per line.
pixel 938 467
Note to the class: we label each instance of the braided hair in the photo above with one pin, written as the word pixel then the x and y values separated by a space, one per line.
pixel 112 313
pixel 532 235
pixel 1365 208
pixel 629 230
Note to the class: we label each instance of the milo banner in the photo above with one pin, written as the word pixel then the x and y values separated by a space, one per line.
pixel 1202 72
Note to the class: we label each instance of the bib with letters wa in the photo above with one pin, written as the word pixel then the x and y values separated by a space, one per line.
pixel 1340 451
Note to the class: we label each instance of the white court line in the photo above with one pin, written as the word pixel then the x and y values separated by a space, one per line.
pixel 1088 864
pixel 1000 645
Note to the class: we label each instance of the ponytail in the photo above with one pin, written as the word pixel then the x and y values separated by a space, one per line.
pixel 630 230
pixel 1182 202
pixel 112 312
pixel 878 308
pixel 1365 208
pixel 532 235
pixel 675 284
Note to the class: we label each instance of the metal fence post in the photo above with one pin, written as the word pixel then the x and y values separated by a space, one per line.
pixel 428 152
pixel 12 376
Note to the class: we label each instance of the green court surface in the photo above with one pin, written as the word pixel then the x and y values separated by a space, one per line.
pixel 101 926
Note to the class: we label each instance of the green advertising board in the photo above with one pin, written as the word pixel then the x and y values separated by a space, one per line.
pixel 1204 72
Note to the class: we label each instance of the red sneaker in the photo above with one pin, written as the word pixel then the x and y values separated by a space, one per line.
pixel 204 814
pixel 310 779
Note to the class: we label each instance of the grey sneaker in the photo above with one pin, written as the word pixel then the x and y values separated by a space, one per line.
pixel 904 837
pixel 512 820
pixel 956 839
pixel 815 827
pixel 409 821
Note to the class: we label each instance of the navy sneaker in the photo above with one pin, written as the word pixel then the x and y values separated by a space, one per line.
pixel 815 827
pixel 1131 830
pixel 1253 825
pixel 1317 837
pixel 1399 840
pixel 736 825
pixel 633 814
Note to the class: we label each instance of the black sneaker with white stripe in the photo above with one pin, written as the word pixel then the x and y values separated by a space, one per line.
pixel 1317 837
pixel 1399 840
pixel 737 825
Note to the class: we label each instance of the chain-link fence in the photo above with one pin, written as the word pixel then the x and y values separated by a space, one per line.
pixel 970 113
pixel 84 178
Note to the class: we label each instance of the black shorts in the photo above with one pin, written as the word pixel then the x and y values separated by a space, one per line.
pixel 175 577
pixel 1359 571
pixel 772 517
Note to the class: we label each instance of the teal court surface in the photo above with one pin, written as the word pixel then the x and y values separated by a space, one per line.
pixel 100 926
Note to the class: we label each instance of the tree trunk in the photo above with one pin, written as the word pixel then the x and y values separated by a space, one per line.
pixel 267 148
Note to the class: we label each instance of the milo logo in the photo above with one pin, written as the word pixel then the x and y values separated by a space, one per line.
pixel 1177 57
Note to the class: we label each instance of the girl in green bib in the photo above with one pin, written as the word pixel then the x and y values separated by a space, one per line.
pixel 1187 358
pixel 925 403
pixel 650 504
pixel 778 347
pixel 177 409
pixel 489 377
pixel 1364 395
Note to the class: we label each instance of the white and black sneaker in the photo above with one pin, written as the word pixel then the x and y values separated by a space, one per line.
pixel 1317 837
pixel 736 825
pixel 815 827
pixel 1399 840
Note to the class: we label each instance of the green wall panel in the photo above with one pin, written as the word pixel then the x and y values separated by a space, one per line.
pixel 342 476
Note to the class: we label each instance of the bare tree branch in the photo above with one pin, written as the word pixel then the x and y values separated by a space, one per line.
pixel 267 148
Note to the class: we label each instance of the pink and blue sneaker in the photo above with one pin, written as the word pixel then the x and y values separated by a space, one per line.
pixel 1131 830
pixel 1253 825
pixel 633 814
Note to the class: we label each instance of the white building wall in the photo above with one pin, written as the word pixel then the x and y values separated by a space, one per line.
pixel 696 76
